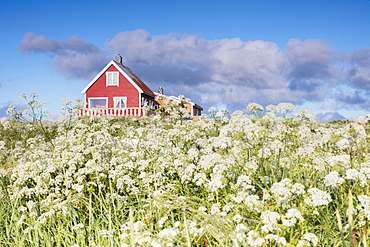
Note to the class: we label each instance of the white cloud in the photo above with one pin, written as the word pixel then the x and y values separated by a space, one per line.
pixel 258 64
pixel 74 57
pixel 230 71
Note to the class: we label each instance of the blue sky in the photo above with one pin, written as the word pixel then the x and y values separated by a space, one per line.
pixel 314 54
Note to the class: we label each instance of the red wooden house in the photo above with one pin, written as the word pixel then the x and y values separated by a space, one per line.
pixel 118 91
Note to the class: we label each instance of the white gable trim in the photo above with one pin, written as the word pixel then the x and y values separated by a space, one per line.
pixel 104 70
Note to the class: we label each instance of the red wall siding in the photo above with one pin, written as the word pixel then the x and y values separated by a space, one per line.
pixel 124 89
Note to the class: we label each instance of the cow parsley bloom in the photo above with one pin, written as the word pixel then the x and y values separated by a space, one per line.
pixel 318 197
pixel 285 107
pixel 343 159
pixel 215 209
pixel 353 174
pixel 161 221
pixel 333 179
pixel 270 220
pixel 254 107
pixel 78 226
pixel 238 235
pixel 284 191
pixel 106 233
pixel 244 182
pixel 290 218
pixel 168 234
pixel 308 239
pixel 268 217
pixel 307 115
pixel 237 218
pixel 276 238
pixel 343 143
pixel 254 240
pixel 364 205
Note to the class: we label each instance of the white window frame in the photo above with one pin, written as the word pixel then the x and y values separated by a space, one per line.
pixel 92 98
pixel 112 78
pixel 120 98
pixel 143 102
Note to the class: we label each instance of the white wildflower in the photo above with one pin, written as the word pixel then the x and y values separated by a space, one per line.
pixel 297 189
pixel 78 226
pixel 308 239
pixel 106 233
pixel 78 187
pixel 244 182
pixel 291 217
pixel 31 204
pixel 343 143
pixel 22 208
pixel 202 209
pixel 272 108
pixel 161 221
pixel 254 240
pixel 237 218
pixel 317 197
pixel 353 174
pixel 270 220
pixel 254 203
pixel 276 238
pixel 10 110
pixel 366 172
pixel 307 115
pixel 168 233
pixel 215 209
pixel 282 189
pixel 342 159
pixel 285 107
pixel 20 221
pixel 364 205
pixel 254 107
pixel 200 179
pixel 333 179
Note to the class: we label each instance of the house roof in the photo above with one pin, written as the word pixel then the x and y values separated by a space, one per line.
pixel 177 99
pixel 135 78
pixel 126 72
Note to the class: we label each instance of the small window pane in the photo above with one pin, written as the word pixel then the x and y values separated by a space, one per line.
pixel 120 102
pixel 98 103
pixel 115 78
pixel 112 78
pixel 110 81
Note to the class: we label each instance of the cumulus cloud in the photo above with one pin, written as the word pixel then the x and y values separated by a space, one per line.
pixel 359 74
pixel 311 68
pixel 74 57
pixel 257 64
pixel 225 71
pixel 354 99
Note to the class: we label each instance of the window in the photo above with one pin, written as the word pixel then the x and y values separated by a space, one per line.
pixel 97 103
pixel 197 112
pixel 112 78
pixel 144 102
pixel 120 102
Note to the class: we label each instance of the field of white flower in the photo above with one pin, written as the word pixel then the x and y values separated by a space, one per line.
pixel 248 180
